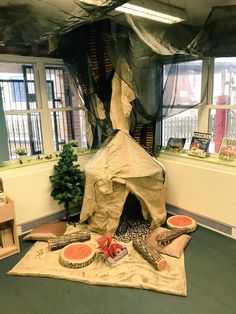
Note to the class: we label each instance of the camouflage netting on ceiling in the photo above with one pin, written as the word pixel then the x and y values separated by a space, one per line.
pixel 27 21
pixel 116 64
pixel 136 54
pixel 115 68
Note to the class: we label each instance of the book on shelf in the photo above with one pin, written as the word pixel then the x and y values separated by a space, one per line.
pixel 6 236
pixel 175 144
pixel 3 198
pixel 199 144
pixel 227 150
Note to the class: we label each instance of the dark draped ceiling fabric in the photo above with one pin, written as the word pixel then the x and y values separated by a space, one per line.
pixel 29 21
pixel 154 99
pixel 94 49
pixel 85 50
pixel 137 53
pixel 92 54
pixel 217 38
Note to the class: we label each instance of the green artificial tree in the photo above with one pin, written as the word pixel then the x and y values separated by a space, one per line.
pixel 68 180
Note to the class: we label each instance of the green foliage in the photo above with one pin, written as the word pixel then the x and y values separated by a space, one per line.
pixel 21 151
pixel 68 180
pixel 74 143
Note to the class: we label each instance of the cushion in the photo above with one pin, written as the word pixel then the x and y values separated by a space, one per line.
pixel 46 231
pixel 175 248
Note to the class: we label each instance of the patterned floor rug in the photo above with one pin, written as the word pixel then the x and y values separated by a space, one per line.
pixel 131 271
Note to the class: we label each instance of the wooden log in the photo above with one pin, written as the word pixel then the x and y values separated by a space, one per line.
pixel 153 257
pixel 77 255
pixel 60 242
pixel 167 236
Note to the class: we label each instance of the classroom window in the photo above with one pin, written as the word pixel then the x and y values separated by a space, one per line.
pixel 36 120
pixel 67 116
pixel 219 101
pixel 184 96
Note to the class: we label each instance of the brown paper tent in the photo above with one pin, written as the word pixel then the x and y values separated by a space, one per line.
pixel 121 167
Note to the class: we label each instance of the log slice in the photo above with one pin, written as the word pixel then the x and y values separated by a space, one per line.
pixel 182 222
pixel 77 255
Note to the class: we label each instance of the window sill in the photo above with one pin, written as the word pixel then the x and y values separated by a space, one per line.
pixel 209 159
pixel 32 161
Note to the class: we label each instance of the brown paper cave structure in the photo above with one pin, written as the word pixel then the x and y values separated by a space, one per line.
pixel 121 167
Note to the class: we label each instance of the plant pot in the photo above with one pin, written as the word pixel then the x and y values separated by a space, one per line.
pixel 23 159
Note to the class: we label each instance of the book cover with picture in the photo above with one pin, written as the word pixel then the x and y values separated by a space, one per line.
pixel 227 150
pixel 175 144
pixel 199 144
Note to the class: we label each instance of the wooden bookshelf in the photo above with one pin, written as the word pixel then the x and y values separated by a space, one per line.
pixel 8 220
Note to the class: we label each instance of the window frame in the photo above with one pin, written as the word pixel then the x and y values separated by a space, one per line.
pixel 199 108
pixel 207 100
pixel 39 68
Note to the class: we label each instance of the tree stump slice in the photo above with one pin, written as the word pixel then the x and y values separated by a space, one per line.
pixel 77 255
pixel 182 222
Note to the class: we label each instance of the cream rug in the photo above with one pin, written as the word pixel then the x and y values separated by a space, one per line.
pixel 131 271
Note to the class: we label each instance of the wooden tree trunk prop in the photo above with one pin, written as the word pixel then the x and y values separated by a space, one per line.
pixel 152 256
pixel 60 242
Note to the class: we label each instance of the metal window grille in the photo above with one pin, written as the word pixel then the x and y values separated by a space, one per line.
pixel 24 130
pixel 17 89
pixel 67 117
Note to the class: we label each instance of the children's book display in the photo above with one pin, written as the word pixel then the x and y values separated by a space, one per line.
pixel 227 150
pixel 175 144
pixel 199 144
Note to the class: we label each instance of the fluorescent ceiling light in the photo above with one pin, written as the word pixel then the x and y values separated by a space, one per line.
pixel 151 14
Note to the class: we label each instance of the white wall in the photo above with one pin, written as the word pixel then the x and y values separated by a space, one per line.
pixel 197 186
pixel 29 187
pixel 201 187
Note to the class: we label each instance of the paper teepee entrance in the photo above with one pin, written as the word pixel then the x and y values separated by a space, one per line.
pixel 119 168
pixel 132 208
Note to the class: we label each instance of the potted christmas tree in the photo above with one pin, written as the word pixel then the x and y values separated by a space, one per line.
pixel 75 145
pixel 67 180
